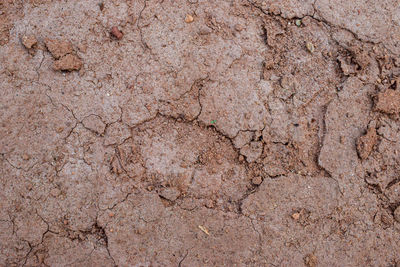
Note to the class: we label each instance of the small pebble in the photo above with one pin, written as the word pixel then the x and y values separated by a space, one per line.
pixel 310 47
pixel 116 33
pixel 189 18
pixel 296 216
pixel 298 22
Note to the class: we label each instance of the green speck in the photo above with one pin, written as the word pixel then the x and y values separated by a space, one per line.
pixel 298 22
pixel 213 121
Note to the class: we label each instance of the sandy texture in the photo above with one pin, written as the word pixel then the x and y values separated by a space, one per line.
pixel 200 133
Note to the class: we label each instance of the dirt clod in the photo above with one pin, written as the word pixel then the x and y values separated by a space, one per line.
pixel 116 33
pixel 311 260
pixel 68 63
pixel 388 101
pixel 252 151
pixel 29 41
pixel 347 68
pixel 366 143
pixel 170 193
pixel 257 180
pixel 58 48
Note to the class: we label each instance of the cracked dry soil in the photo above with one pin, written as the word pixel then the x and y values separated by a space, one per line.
pixel 200 133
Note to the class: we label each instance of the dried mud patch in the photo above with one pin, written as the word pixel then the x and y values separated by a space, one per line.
pixel 199 133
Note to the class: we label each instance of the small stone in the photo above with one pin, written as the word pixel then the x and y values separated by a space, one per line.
pixel 397 214
pixel 310 47
pixel 116 33
pixel 388 101
pixel 296 216
pixel 25 157
pixel 68 63
pixel 189 18
pixel 170 193
pixel 298 22
pixel 257 180
pixel 365 143
pixel 29 41
pixel 310 260
pixel 111 214
pixel 58 48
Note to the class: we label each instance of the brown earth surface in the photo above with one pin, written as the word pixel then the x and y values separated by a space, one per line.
pixel 200 133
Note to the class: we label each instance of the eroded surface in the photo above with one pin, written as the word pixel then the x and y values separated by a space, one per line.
pixel 199 133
